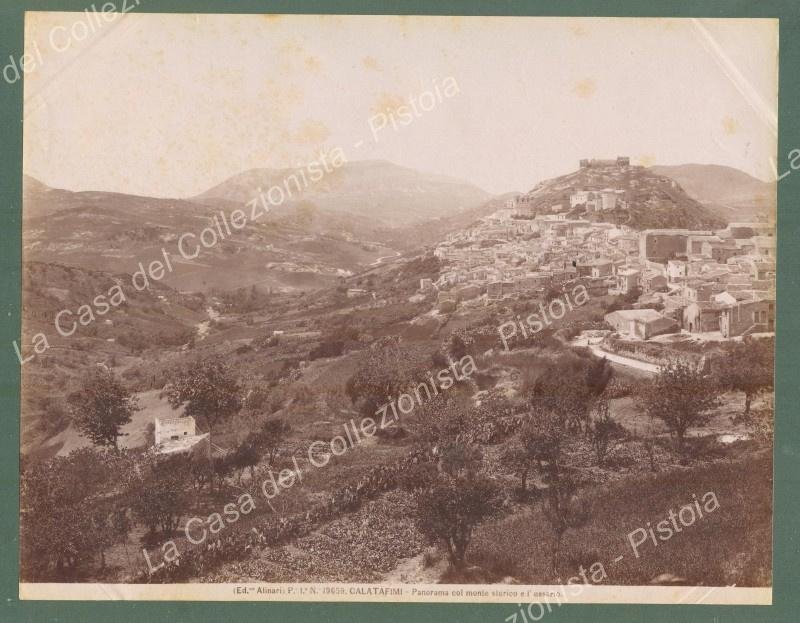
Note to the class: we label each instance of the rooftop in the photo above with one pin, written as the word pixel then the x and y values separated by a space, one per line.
pixel 182 444
pixel 645 315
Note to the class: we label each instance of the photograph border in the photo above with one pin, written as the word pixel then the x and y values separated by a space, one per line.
pixel 785 596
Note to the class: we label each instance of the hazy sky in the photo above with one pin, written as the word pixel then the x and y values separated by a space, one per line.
pixel 169 105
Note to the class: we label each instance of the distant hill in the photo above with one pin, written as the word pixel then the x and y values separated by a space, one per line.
pixel 304 245
pixel 432 231
pixel 393 195
pixel 649 200
pixel 730 192
pixel 349 219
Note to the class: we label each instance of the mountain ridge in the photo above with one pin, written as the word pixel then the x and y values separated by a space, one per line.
pixel 307 242
pixel 390 194
pixel 730 192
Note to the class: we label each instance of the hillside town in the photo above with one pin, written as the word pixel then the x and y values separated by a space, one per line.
pixel 716 284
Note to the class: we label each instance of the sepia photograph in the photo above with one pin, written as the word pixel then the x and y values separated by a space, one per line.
pixel 397 308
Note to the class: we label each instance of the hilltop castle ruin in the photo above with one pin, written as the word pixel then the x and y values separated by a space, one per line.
pixel 621 161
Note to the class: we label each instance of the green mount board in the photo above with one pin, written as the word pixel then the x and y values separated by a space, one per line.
pixel 787 431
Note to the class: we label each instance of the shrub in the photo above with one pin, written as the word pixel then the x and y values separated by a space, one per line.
pixel 602 429
pixel 499 564
pixel 564 510
pixel 430 557
pixel 332 348
pixel 447 307
pixel 159 498
pixel 619 388
pixel 54 418
pixel 257 399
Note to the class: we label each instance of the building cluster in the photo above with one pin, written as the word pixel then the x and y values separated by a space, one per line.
pixel 597 200
pixel 676 279
pixel 713 281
